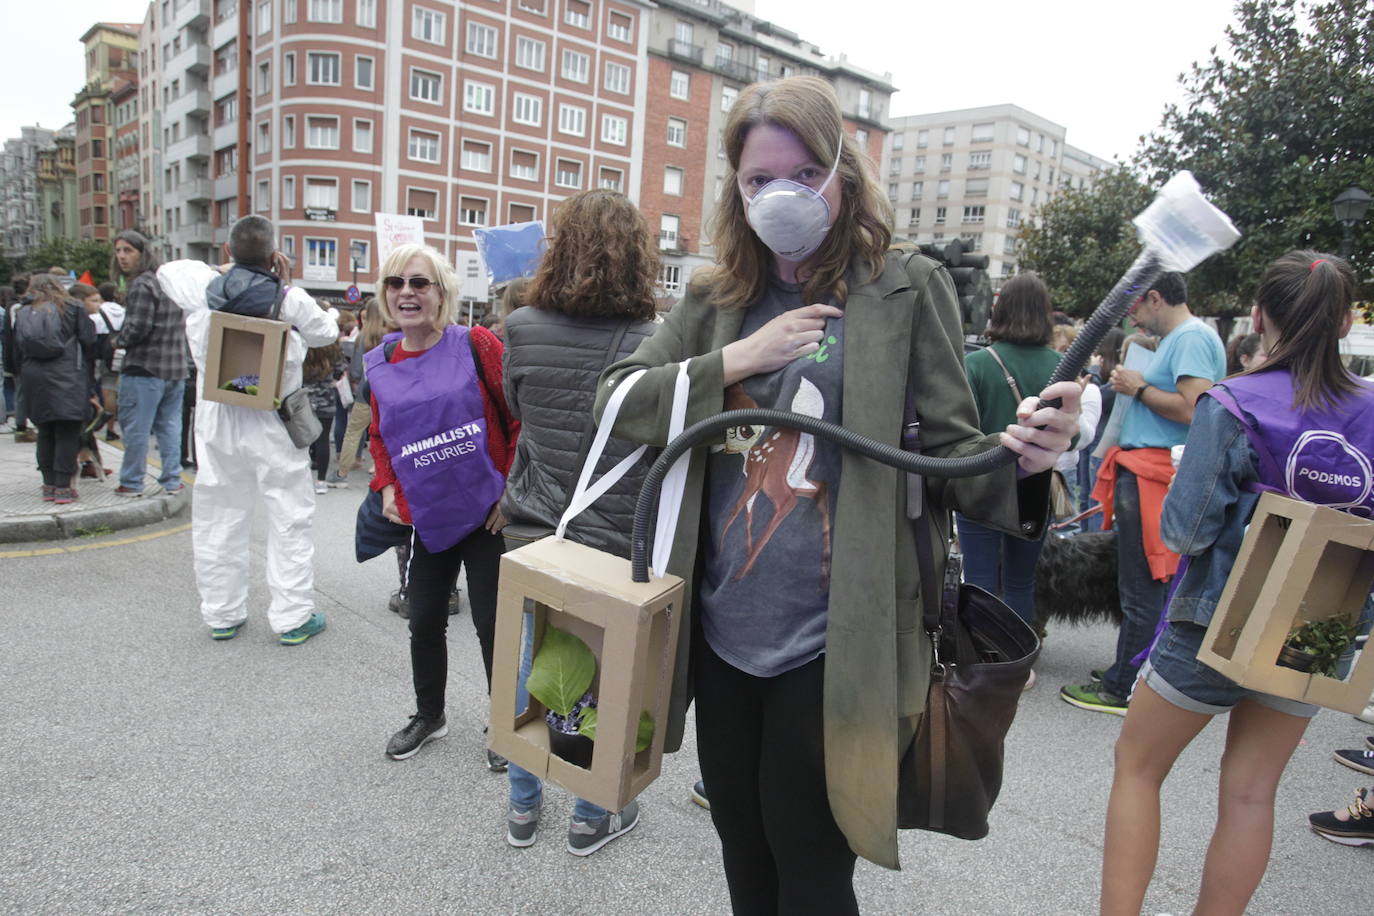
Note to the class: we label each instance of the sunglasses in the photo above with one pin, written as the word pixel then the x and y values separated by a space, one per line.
pixel 419 284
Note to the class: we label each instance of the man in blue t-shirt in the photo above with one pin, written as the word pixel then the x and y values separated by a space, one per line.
pixel 1189 360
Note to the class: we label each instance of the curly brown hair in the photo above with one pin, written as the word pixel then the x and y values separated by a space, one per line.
pixel 601 262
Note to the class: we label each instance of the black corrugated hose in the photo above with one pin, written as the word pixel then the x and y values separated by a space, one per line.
pixel 1106 316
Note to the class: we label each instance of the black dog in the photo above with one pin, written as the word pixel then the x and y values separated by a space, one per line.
pixel 1075 580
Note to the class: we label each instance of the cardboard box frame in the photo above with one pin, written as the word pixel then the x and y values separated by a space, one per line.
pixel 1298 561
pixel 588 593
pixel 242 345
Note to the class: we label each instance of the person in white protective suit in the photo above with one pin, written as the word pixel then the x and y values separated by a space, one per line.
pixel 245 454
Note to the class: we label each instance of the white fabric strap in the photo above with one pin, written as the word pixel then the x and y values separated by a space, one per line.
pixel 675 483
pixel 582 495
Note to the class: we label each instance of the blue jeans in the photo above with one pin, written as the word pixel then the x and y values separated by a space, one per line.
pixel 1000 564
pixel 1142 596
pixel 525 787
pixel 150 405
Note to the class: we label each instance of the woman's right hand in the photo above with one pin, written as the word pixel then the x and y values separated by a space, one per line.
pixel 789 336
pixel 389 510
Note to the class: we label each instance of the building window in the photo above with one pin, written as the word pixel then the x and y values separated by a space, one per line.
pixel 472 211
pixel 1054 148
pixel 682 32
pixel 264 195
pixel 521 213
pixel 898 141
pixel 322 193
pixel 680 85
pixel 915 215
pixel 476 156
pixel 728 94
pixel 321 253
pixel 668 227
pixel 324 10
pixel 865 103
pixel 323 69
pixel 917 189
pixel 427 25
pixel 527 109
pixel 940 216
pixel 482 40
pixel 264 77
pixel 1013 218
pixel 422 203
pixel 423 146
pixel 572 120
pixel 983 133
pixel 363 73
pixel 361 201
pixel 578 13
pixel 672 180
pixel 922 138
pixel 1018 190
pixel 610 179
pixel 949 136
pixel 1035 172
pixel 620 27
pixel 861 138
pixel 946 161
pixel 980 160
pixel 264 137
pixel 425 86
pixel 288 192
pixel 918 164
pixel 942 189
pixel 529 53
pixel 892 191
pixel 367 13
pixel 974 214
pixel 976 187
pixel 532 6
pixel 288 68
pixel 670 278
pixel 524 165
pixel 1023 136
pixel 677 132
pixel 616 78
pixel 1035 196
pixel 288 245
pixel 362 136
pixel 321 132
pixel 1009 247
pixel 614 129
pixel 479 98
pixel 568 174
pixel 1018 164
pixel 264 25
pixel 288 12
pixel 575 66
pixel 288 131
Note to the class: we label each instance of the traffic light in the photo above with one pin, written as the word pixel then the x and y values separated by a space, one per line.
pixel 971 281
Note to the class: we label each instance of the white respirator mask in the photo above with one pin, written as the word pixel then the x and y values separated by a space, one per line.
pixel 789 217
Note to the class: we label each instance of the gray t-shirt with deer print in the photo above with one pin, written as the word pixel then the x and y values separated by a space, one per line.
pixel 771 509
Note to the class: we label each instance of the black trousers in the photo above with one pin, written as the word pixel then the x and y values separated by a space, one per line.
pixel 58 443
pixel 431 580
pixel 762 754
pixel 319 449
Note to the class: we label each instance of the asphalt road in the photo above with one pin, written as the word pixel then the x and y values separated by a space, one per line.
pixel 149 770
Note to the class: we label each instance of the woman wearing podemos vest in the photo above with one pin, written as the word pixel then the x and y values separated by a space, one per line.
pixel 808 659
pixel 1300 425
pixel 442 439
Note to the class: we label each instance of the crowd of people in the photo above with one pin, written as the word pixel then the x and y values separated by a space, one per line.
pixel 802 645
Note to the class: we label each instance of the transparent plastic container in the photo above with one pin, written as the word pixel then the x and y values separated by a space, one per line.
pixel 1182 226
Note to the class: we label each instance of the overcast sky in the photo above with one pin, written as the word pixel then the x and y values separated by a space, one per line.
pixel 1104 70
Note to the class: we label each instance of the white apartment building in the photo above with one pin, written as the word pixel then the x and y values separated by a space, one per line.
pixel 977 174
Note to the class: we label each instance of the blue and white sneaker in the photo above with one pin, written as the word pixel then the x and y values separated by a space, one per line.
pixel 313 624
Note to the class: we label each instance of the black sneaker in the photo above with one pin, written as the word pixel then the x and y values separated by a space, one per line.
pixel 699 794
pixel 495 762
pixel 586 838
pixel 1352 827
pixel 1362 760
pixel 418 732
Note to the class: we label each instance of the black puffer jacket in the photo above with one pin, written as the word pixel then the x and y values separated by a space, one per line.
pixel 55 389
pixel 552 363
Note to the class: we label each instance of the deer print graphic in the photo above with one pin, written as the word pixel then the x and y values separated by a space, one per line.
pixel 776 464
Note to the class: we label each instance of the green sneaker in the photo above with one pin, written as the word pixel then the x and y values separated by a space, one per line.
pixel 1093 697
pixel 313 624
pixel 227 632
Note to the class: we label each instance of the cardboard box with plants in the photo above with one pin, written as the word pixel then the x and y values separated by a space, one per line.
pixel 601 671
pixel 244 361
pixel 1291 607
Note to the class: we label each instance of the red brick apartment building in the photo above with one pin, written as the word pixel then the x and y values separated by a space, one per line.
pixel 111 62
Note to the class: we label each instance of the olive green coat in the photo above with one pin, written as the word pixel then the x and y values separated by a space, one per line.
pixel 877 668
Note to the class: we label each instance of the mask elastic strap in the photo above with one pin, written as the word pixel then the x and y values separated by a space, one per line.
pixel 834 168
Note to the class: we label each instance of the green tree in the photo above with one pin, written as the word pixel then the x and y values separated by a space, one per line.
pixel 1274 129
pixel 77 256
pixel 1082 240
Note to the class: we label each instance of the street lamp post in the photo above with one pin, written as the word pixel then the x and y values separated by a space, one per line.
pixel 1350 207
pixel 356 253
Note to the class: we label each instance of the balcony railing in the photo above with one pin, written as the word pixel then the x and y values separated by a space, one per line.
pixel 685 51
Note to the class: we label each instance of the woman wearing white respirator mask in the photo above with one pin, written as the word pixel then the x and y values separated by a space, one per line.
pixel 808 661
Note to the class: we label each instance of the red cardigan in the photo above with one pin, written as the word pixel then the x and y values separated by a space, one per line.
pixel 502 428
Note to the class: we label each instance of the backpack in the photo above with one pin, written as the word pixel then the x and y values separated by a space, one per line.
pixel 105 348
pixel 38 332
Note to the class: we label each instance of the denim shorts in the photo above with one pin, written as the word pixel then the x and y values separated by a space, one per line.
pixel 1174 672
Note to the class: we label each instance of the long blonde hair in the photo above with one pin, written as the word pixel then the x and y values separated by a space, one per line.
pixel 807 107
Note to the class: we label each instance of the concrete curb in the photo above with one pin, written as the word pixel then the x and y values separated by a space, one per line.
pixel 147 510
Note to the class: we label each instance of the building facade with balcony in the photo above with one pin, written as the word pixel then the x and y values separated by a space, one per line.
pixel 701 54
pixel 21 214
pixel 111 60
pixel 57 199
pixel 977 174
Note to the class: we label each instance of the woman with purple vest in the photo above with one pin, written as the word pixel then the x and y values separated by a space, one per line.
pixel 442 439
pixel 1244 434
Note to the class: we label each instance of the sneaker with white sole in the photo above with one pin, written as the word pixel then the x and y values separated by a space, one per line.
pixel 1362 759
pixel 586 838
pixel 521 826
pixel 418 732
pixel 1353 826
pixel 699 794
pixel 321 488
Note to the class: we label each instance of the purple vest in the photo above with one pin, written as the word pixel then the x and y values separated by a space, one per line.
pixel 433 421
pixel 1319 456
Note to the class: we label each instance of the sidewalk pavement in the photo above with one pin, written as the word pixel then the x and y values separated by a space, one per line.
pixel 24 516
